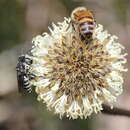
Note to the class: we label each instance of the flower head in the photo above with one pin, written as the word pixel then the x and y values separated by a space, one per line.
pixel 74 78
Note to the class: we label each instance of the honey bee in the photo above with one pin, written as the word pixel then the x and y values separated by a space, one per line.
pixel 84 23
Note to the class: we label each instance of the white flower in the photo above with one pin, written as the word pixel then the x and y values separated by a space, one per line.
pixel 59 105
pixel 74 111
pixel 87 107
pixel 74 79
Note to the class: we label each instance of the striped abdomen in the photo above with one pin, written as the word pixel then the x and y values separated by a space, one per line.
pixel 26 84
pixel 86 26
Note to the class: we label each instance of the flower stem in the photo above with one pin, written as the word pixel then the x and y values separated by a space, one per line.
pixel 115 111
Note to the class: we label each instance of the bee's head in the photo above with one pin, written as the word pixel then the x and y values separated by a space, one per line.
pixel 25 59
pixel 77 11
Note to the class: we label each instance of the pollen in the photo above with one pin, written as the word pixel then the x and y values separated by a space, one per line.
pixel 73 78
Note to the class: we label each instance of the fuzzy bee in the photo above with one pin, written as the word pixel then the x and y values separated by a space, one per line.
pixel 83 22
pixel 23 74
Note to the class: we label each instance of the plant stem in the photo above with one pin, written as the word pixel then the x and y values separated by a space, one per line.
pixel 115 111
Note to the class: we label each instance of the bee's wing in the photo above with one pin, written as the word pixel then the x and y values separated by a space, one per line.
pixel 20 80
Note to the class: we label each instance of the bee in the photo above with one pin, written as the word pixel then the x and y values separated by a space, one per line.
pixel 23 74
pixel 84 23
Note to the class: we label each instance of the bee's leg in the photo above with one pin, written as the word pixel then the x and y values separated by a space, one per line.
pixel 73 24
pixel 81 37
pixel 31 76
pixel 69 24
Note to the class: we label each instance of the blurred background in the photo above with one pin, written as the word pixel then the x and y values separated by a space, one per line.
pixel 20 21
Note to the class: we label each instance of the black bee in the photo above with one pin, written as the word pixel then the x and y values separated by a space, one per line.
pixel 23 74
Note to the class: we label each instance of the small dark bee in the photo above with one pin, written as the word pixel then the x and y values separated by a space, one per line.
pixel 23 74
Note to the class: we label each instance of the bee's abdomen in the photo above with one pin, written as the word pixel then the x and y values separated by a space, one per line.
pixel 26 84
pixel 86 25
